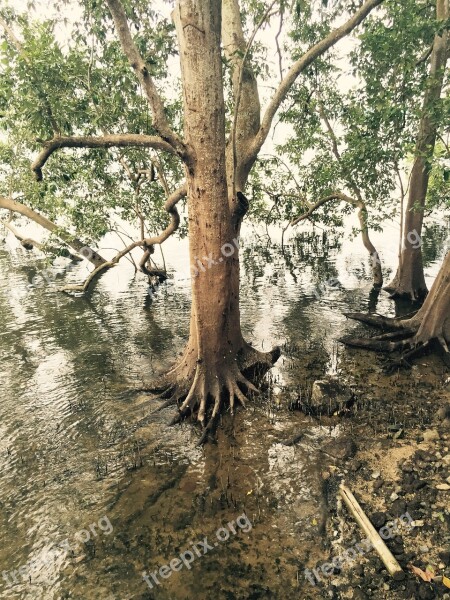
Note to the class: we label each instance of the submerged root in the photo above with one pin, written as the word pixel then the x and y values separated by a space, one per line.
pixel 378 320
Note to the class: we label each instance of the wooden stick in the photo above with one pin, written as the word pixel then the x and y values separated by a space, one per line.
pixel 383 551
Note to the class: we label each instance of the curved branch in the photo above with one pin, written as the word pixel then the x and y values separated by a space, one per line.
pixel 74 243
pixel 120 140
pixel 27 243
pixel 170 207
pixel 147 244
pixel 362 216
pixel 300 65
pixel 139 66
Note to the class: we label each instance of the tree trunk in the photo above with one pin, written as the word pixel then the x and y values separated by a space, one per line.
pixel 433 319
pixel 431 322
pixel 409 280
pixel 216 353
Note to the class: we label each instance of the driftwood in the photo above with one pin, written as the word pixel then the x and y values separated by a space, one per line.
pixel 383 551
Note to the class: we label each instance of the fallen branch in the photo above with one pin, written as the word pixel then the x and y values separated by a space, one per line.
pixel 147 244
pixel 382 550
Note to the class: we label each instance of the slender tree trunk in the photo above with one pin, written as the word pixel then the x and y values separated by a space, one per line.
pixel 410 280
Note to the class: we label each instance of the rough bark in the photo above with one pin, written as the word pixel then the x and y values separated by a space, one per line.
pixel 409 280
pixel 362 216
pixel 431 322
pixel 77 245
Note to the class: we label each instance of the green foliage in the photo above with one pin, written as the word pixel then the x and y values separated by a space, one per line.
pixel 70 77
pixel 372 104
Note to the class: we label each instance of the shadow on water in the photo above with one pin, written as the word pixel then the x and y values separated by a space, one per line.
pixel 72 450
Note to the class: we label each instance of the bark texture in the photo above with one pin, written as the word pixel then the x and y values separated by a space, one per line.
pixel 409 280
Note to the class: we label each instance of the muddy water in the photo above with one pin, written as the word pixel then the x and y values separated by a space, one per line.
pixel 96 494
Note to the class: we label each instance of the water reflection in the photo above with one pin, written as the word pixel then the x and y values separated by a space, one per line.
pixel 68 444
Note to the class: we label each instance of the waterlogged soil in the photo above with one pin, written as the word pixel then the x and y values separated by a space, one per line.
pixel 284 496
pixel 240 518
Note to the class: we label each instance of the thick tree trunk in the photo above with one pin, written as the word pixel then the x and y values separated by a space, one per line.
pixel 409 280
pixel 433 318
pixel 216 353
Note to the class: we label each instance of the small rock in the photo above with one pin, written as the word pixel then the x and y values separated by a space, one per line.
pixel 341 448
pixel 376 474
pixel 328 396
pixel 378 520
pixel 444 412
pixel 358 594
pixel 443 487
pixel 423 549
pixel 431 435
pixel 418 523
pixel 378 484
pixel 393 496
pixel 425 592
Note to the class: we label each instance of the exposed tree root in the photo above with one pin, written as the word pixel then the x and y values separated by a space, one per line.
pixel 407 336
pixel 205 392
pixel 378 320
pixel 379 345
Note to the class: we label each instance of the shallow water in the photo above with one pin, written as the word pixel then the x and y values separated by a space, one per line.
pixel 71 453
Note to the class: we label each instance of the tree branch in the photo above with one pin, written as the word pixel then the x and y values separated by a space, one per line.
pixel 77 245
pixel 238 93
pixel 300 65
pixel 247 111
pixel 321 202
pixel 170 207
pixel 120 140
pixel 139 66
pixel 147 244
pixel 362 216
pixel 27 243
